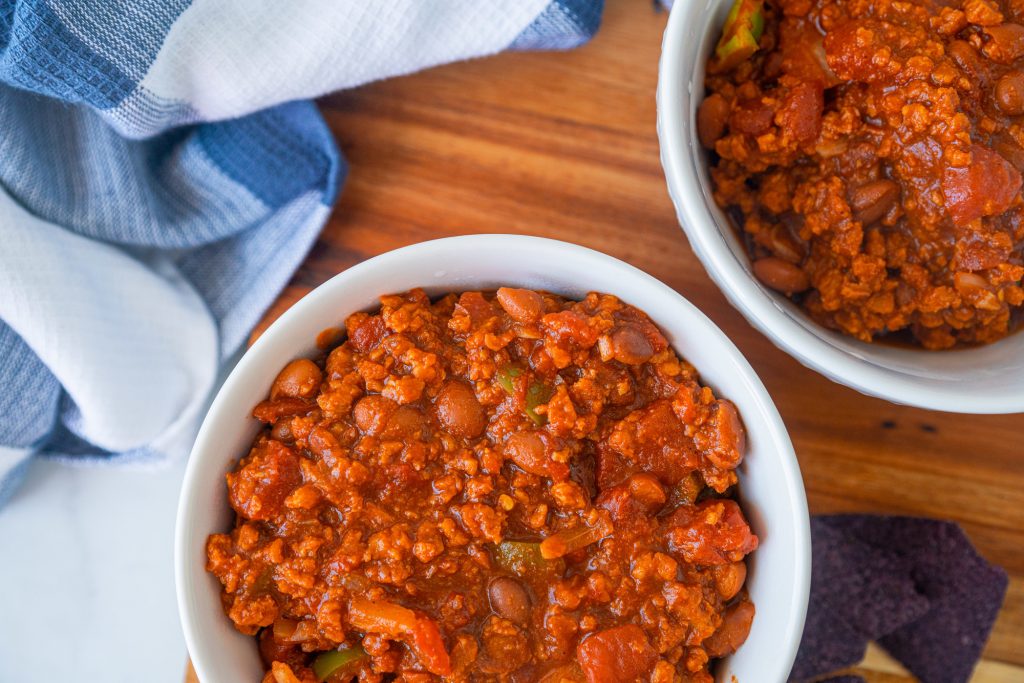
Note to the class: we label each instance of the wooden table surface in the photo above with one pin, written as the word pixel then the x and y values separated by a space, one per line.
pixel 564 145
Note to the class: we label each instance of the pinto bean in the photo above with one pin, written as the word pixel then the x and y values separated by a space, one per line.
pixel 631 346
pixel 728 438
pixel 299 379
pixel 372 413
pixel 1005 44
pixel 527 450
pixel 1010 150
pixel 734 630
pixel 780 275
pixel 871 201
pixel 407 422
pixel 324 444
pixel 712 115
pixel 272 411
pixel 509 600
pixel 782 244
pixel 282 430
pixel 367 333
pixel 965 57
pixel 459 411
pixel 522 305
pixel 729 578
pixel 1009 93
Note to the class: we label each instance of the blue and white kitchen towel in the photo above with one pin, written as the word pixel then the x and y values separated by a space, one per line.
pixel 162 174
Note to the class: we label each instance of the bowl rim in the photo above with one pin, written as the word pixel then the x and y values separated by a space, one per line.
pixel 775 432
pixel 680 159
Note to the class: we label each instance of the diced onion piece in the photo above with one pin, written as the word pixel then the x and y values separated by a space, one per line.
pixel 283 673
pixel 524 559
pixel 571 540
pixel 568 672
pixel 385 618
pixel 284 629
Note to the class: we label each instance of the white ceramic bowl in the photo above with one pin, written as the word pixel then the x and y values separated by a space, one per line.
pixel 773 493
pixel 987 379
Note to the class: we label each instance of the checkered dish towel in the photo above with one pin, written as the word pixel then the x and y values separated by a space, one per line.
pixel 162 174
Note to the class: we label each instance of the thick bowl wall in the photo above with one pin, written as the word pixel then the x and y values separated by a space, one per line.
pixel 772 490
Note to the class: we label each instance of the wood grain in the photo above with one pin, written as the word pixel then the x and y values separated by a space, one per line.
pixel 564 145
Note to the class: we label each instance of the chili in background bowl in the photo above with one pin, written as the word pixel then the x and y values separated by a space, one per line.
pixel 772 491
pixel 983 379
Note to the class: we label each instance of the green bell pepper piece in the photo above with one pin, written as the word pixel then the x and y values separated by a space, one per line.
pixel 507 377
pixel 537 393
pixel 740 34
pixel 329 663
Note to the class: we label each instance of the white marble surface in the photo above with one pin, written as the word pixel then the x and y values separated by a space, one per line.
pixel 86 577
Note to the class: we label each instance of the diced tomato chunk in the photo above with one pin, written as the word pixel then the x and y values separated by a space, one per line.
pixel 368 333
pixel 616 655
pixel 651 439
pixel 709 533
pixel 633 502
pixel 985 188
pixel 429 647
pixel 570 327
pixel 479 309
pixel 272 411
pixel 850 49
pixel 801 110
pixel 981 251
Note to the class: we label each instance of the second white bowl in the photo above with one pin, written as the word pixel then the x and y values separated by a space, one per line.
pixel 987 379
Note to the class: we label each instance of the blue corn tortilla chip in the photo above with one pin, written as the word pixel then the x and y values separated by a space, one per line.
pixel 915 586
pixel 858 593
pixel 843 679
pixel 964 593
pixel 827 645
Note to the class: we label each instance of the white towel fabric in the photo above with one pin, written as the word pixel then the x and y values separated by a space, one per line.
pixel 161 177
